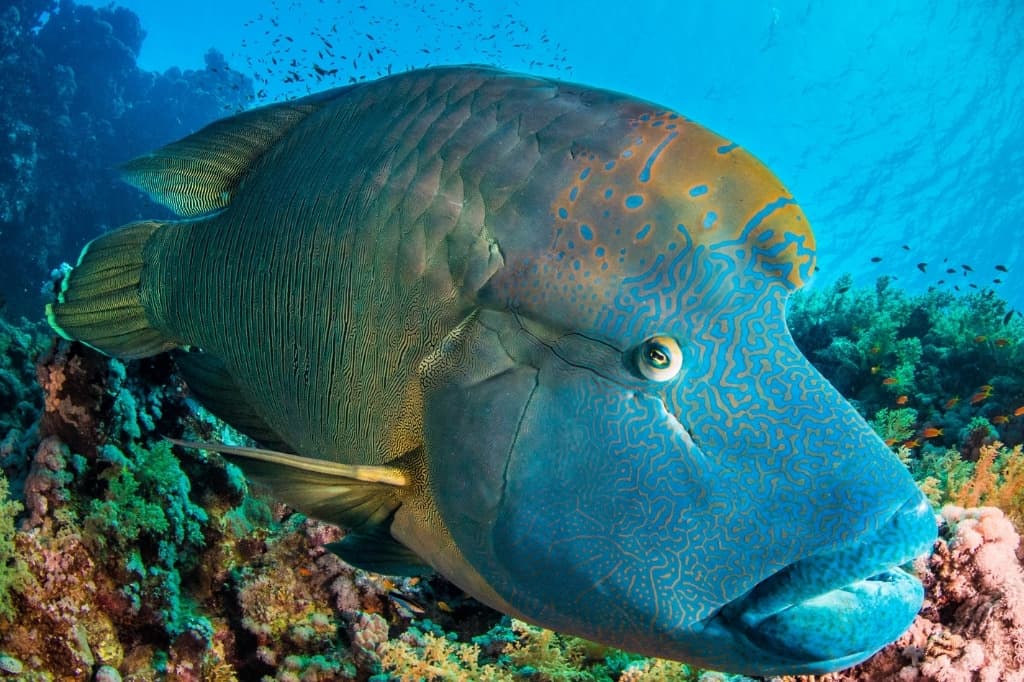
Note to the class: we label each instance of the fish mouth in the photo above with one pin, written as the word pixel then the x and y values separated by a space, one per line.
pixel 835 609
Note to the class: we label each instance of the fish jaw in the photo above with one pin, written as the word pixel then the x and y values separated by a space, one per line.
pixel 833 610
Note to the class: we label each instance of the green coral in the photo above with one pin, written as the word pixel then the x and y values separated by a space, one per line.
pixel 894 425
pixel 14 573
pixel 951 358
pixel 147 517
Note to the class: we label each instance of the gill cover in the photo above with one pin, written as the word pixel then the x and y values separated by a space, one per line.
pixel 533 439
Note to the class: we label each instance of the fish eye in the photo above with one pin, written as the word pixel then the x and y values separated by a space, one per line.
pixel 659 358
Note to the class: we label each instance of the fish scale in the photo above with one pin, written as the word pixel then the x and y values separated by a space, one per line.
pixel 531 335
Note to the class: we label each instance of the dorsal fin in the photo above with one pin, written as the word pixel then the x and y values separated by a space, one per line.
pixel 200 173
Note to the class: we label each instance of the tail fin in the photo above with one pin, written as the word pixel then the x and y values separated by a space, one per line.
pixel 100 300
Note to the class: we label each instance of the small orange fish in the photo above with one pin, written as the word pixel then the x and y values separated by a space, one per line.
pixel 444 606
pixel 980 338
pixel 875 349
pixel 912 444
pixel 891 441
pixel 951 403
pixel 1002 343
pixel 985 387
pixel 980 396
pixel 1000 419
pixel 902 400
pixel 931 432
pixel 1019 412
pixel 876 369
pixel 889 381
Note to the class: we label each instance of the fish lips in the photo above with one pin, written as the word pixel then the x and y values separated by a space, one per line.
pixel 837 608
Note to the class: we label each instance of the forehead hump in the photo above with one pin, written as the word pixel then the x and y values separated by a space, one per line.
pixel 662 188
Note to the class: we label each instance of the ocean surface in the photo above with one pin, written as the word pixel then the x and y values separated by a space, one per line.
pixel 899 126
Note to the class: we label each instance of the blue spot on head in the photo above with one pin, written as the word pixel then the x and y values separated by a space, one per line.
pixel 645 174
pixel 643 231
pixel 709 219
pixel 726 148
pixel 599 251
pixel 608 193
pixel 573 193
pixel 576 265
pixel 698 190
pixel 570 244
pixel 563 214
pixel 766 235
pixel 657 123
pixel 609 165
pixel 586 232
pixel 671 246
pixel 585 173
pixel 645 117
pixel 634 201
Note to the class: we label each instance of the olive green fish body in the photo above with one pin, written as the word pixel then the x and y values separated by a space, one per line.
pixel 530 334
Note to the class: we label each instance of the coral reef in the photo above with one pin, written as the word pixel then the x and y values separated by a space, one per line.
pixel 124 558
pixel 952 359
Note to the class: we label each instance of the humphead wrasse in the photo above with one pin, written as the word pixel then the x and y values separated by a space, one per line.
pixel 532 335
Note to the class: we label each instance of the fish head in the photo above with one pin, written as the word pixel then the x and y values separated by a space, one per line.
pixel 625 443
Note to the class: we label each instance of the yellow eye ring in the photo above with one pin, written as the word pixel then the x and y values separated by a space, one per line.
pixel 659 358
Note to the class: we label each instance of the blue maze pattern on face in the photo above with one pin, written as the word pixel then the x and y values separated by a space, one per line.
pixel 696 489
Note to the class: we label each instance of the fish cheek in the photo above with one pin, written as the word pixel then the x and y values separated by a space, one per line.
pixel 475 395
pixel 603 529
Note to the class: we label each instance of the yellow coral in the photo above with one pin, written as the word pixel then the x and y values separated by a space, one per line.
pixel 438 660
pixel 997 481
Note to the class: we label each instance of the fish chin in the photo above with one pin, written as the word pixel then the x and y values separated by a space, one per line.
pixel 841 627
pixel 833 610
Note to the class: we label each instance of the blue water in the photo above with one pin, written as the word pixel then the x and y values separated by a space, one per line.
pixel 899 126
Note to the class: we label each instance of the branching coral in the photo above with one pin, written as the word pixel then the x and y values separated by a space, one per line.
pixel 971 628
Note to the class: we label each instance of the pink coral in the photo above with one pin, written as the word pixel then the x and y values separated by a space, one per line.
pixel 44 487
pixel 971 628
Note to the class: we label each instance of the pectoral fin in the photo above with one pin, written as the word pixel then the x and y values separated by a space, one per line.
pixel 362 498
